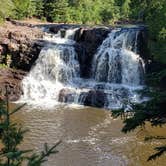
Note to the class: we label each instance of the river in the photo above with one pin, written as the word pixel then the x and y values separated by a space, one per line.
pixel 90 137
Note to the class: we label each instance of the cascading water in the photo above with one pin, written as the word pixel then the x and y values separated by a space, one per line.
pixel 117 72
pixel 117 61
pixel 56 66
pixel 119 66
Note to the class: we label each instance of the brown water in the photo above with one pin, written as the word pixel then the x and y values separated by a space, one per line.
pixel 90 137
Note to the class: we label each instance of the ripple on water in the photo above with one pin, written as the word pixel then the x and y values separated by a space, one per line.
pixel 89 137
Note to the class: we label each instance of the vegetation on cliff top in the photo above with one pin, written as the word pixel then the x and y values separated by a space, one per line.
pixel 150 12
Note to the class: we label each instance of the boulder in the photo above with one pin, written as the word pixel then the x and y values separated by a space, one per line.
pixel 11 79
pixel 66 95
pixel 54 29
pixel 96 98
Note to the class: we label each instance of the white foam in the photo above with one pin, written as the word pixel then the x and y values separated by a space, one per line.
pixel 117 71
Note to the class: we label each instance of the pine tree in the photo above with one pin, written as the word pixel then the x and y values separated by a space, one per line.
pixel 21 8
pixel 31 10
pixel 24 9
pixel 39 8
pixel 11 135
pixel 109 12
pixel 6 7
pixel 56 10
pixel 152 111
pixel 126 8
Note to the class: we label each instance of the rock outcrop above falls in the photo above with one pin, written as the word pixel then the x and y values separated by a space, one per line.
pixel 20 44
pixel 10 80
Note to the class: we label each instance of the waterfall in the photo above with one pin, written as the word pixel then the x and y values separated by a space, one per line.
pixel 55 67
pixel 117 71
pixel 117 60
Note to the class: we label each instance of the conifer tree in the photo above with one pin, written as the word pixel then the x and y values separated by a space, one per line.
pixel 11 135
pixel 152 111
pixel 126 8
pixel 39 8
pixel 6 7
pixel 21 9
pixel 56 10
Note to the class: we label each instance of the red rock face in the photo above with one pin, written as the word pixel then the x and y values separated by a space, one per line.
pixel 12 80
pixel 20 42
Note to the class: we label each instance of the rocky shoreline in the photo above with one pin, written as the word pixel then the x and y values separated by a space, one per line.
pixel 18 51
pixel 11 79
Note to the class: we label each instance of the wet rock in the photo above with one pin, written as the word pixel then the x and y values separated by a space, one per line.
pixel 54 29
pixel 88 40
pixel 142 44
pixel 23 58
pixel 96 98
pixel 12 80
pixel 66 96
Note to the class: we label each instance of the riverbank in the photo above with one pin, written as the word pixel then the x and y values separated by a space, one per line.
pixel 19 49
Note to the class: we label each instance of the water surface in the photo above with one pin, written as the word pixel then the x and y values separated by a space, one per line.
pixel 90 137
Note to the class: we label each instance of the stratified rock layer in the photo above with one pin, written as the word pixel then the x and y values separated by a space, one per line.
pixel 10 80
pixel 21 44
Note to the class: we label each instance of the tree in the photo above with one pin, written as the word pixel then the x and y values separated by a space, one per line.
pixel 26 8
pixel 39 8
pixel 11 135
pixel 21 9
pixel 152 111
pixel 56 10
pixel 109 12
pixel 126 8
pixel 31 10
pixel 5 8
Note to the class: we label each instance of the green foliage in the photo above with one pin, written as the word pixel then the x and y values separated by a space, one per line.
pixel 2 66
pixel 11 136
pixel 38 159
pixel 109 12
pixel 23 9
pixel 6 7
pixel 90 11
pixel 156 19
pixel 160 151
pixel 6 61
pixel 155 79
pixel 39 8
pixel 125 9
pixel 153 13
pixel 20 9
pixel 56 10
pixel 152 111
